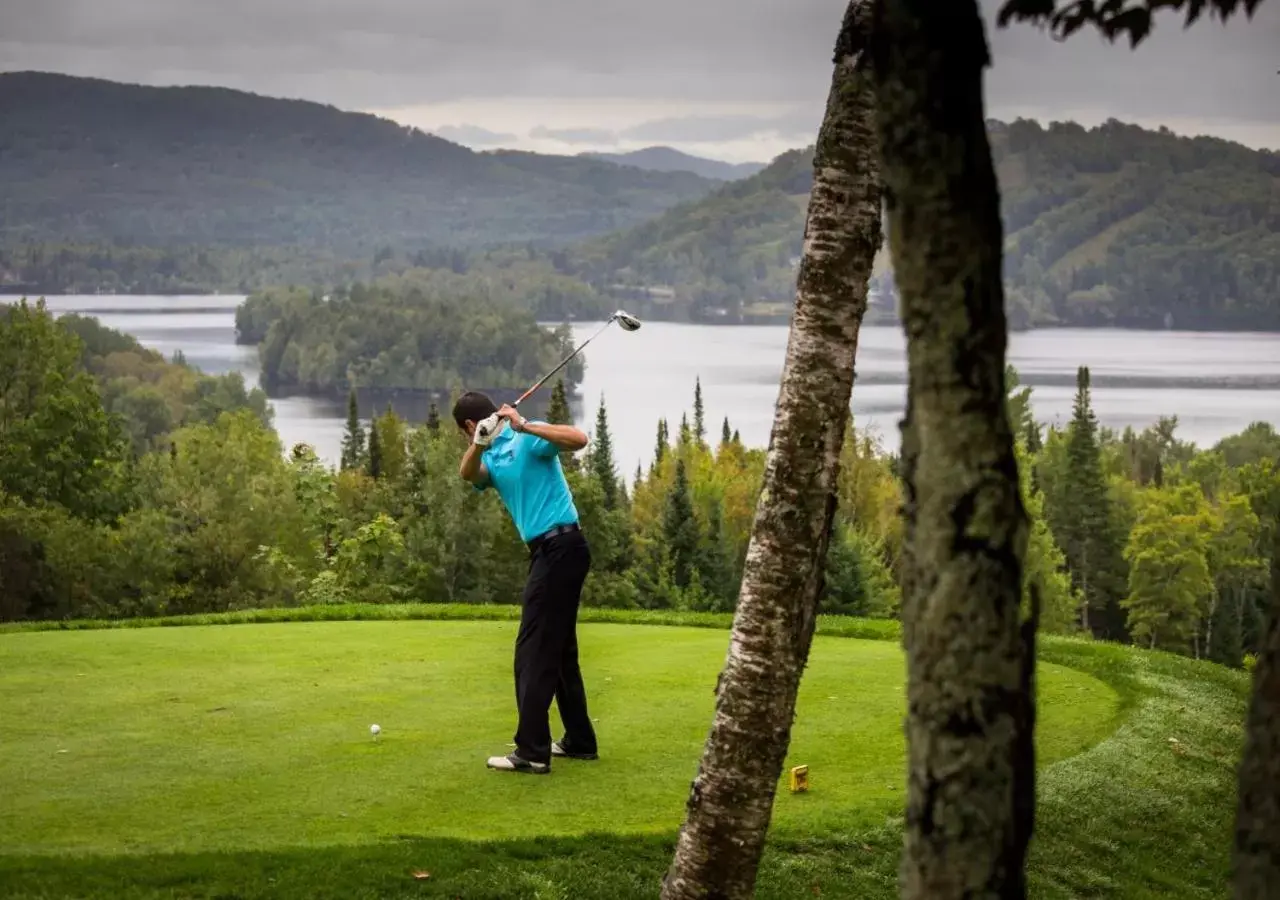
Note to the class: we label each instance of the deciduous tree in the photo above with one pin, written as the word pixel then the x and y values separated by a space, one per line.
pixel 731 800
pixel 970 656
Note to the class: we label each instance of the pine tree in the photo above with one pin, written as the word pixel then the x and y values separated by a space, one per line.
pixel 353 440
pixel 1034 445
pixel 374 467
pixel 699 413
pixel 660 451
pixel 725 435
pixel 685 433
pixel 714 566
pixel 558 412
pixel 433 418
pixel 680 528
pixel 737 439
pixel 602 459
pixel 1084 523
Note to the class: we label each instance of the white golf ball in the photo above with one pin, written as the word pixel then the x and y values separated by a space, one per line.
pixel 374 729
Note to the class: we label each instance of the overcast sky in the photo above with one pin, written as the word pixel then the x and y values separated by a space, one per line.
pixel 735 79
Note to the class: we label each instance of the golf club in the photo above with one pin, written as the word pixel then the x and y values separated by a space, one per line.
pixel 626 322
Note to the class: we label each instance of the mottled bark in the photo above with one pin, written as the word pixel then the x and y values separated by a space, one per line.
pixel 731 798
pixel 1257 854
pixel 970 659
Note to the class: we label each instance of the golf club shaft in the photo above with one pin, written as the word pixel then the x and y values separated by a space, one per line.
pixel 568 359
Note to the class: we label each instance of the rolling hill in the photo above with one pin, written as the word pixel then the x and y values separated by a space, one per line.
pixel 668 159
pixel 1114 225
pixel 86 160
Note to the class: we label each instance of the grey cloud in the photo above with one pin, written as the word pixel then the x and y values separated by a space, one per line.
pixel 383 54
pixel 474 135
pixel 575 135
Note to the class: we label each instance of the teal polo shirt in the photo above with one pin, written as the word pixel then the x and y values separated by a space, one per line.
pixel 525 471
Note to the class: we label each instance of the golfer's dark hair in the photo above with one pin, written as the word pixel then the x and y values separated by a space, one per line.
pixel 473 405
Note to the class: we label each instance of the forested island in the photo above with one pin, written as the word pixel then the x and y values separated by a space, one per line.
pixel 424 331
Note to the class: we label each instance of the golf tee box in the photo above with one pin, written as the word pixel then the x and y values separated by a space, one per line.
pixel 799 779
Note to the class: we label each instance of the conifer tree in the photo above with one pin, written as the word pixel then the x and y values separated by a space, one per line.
pixel 725 435
pixel 714 566
pixel 375 451
pixel 1034 445
pixel 686 434
pixel 680 528
pixel 353 448
pixel 699 413
pixel 1084 523
pixel 660 450
pixel 602 458
pixel 559 413
pixel 392 454
pixel 433 418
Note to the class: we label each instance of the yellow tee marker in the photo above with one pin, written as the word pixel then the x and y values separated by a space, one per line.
pixel 799 779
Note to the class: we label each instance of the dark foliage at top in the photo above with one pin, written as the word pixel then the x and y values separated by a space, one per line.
pixel 1114 17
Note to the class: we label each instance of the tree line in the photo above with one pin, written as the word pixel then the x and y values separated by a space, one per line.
pixel 168 492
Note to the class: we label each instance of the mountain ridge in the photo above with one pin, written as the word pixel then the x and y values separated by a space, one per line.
pixel 669 159
pixel 88 159
pixel 1104 226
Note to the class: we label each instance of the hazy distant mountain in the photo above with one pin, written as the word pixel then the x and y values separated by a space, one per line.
pixel 92 160
pixel 668 159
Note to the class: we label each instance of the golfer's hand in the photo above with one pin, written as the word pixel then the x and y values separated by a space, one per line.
pixel 512 415
pixel 486 430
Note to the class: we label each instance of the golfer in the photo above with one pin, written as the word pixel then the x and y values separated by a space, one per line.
pixel 521 460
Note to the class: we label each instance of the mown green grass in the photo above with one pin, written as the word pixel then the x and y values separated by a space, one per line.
pixel 163 797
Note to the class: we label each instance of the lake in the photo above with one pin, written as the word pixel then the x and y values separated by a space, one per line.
pixel 1216 383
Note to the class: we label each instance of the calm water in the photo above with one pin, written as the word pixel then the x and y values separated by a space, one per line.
pixel 1216 383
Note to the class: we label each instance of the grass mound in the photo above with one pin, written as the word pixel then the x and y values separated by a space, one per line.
pixel 214 762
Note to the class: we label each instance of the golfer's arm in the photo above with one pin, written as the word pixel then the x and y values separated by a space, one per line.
pixel 566 437
pixel 472 469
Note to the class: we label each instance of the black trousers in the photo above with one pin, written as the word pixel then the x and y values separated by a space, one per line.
pixel 546 659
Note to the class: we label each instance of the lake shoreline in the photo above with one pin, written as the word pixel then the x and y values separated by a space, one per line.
pixel 1216 383
pixel 783 321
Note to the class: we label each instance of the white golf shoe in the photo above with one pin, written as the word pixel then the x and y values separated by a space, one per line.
pixel 513 763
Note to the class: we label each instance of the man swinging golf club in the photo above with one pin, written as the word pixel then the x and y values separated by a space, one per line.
pixel 521 460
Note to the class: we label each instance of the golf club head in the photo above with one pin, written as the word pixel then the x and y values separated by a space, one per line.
pixel 627 321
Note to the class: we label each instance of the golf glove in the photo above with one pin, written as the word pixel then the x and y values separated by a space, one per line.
pixel 487 430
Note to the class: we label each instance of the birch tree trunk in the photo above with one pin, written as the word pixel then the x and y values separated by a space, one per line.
pixel 731 798
pixel 1257 853
pixel 970 658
